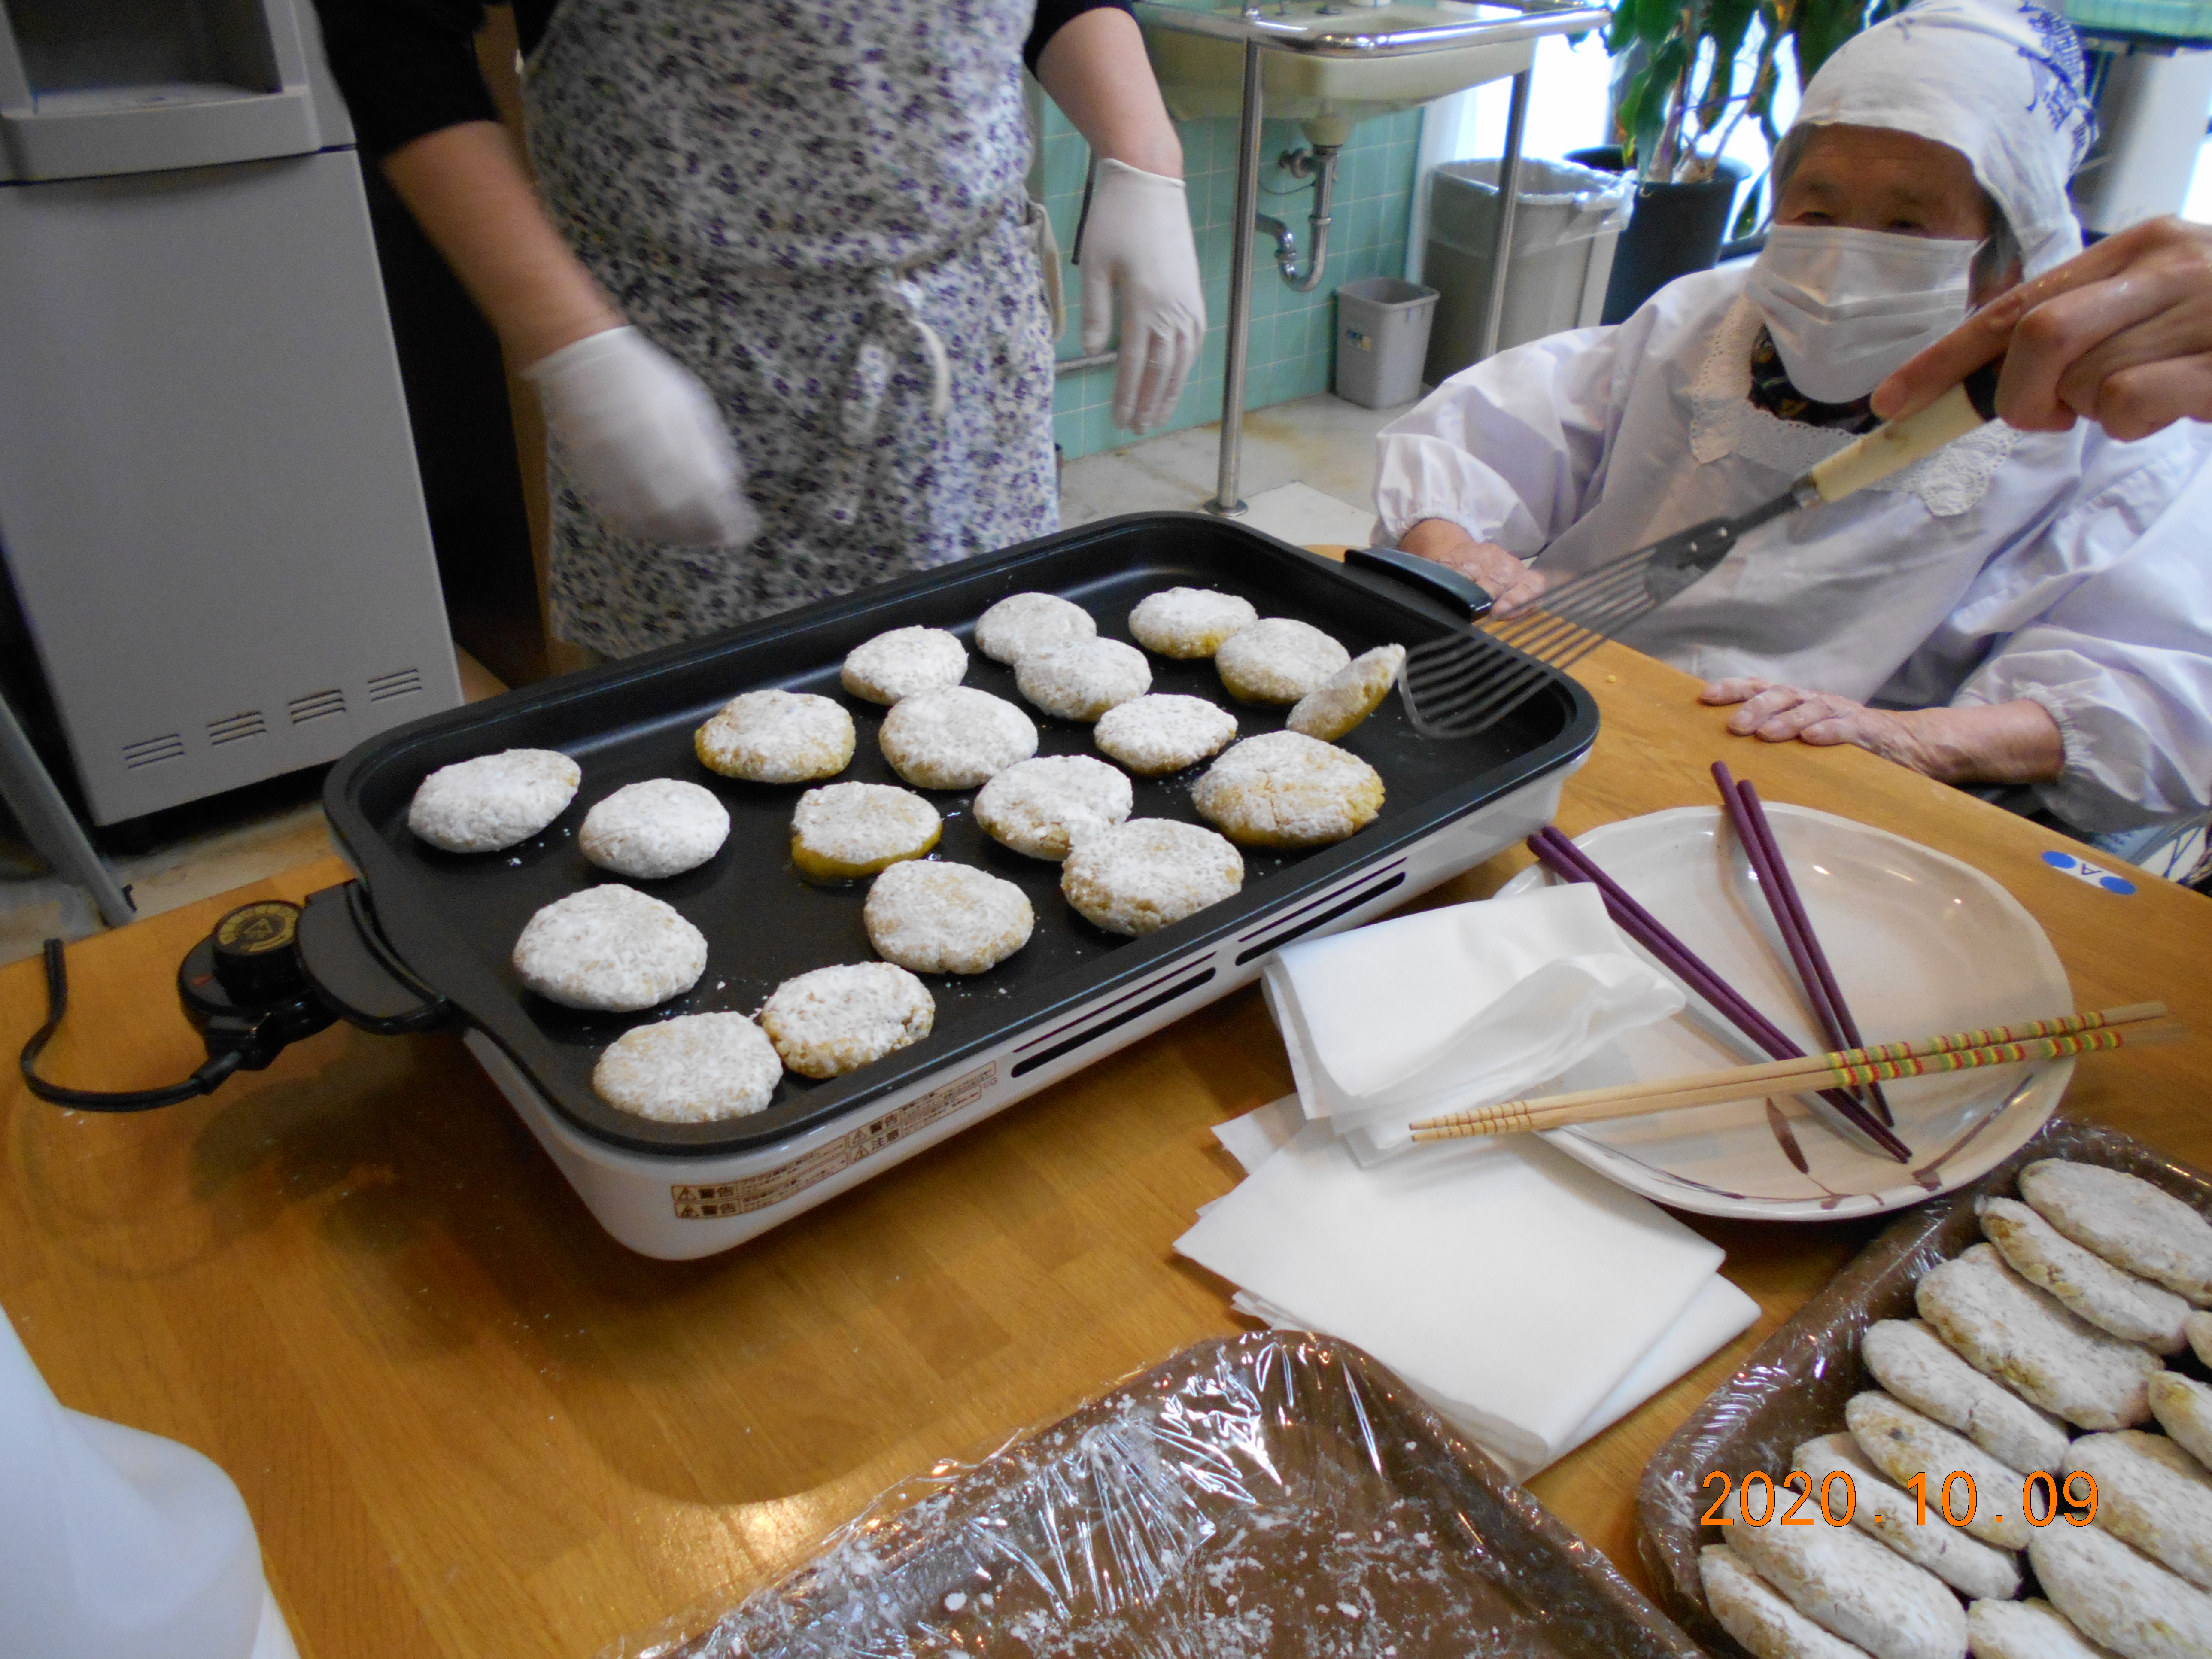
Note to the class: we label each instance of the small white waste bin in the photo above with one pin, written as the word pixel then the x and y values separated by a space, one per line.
pixel 1566 224
pixel 1382 338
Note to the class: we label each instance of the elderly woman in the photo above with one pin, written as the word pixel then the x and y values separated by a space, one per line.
pixel 1975 594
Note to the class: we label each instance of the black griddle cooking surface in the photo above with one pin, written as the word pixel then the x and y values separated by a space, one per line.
pixel 453 919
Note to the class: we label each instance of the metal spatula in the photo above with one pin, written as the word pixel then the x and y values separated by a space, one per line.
pixel 1463 683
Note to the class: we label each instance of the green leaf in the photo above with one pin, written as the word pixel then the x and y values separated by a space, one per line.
pixel 1746 221
pixel 1821 26
pixel 1647 119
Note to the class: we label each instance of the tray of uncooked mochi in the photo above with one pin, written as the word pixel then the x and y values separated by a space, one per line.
pixel 741 922
pixel 1990 1433
pixel 1272 1496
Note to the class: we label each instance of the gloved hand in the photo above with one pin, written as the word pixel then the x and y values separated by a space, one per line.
pixel 643 442
pixel 1137 250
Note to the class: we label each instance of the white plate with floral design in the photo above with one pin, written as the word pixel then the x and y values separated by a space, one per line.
pixel 1919 943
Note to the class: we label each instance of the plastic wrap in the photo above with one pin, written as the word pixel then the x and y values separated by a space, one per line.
pixel 1274 1494
pixel 1795 1385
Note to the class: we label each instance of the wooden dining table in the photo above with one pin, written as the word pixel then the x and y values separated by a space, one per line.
pixel 468 1423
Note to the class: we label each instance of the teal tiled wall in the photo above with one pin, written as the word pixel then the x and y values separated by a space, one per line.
pixel 1292 334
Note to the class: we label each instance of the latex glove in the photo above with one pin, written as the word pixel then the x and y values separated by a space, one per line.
pixel 643 442
pixel 1138 256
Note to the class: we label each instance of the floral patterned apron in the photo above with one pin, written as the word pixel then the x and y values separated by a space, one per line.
pixel 817 206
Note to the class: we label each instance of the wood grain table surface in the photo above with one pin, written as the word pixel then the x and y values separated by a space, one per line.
pixel 468 1423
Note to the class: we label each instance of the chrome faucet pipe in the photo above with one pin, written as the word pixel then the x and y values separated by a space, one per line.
pixel 1226 501
pixel 1324 170
pixel 1286 242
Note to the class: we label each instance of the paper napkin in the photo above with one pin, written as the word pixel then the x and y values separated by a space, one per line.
pixel 1500 1280
pixel 1455 1007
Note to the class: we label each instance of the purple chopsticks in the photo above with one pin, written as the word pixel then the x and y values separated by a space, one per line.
pixel 1569 861
pixel 1748 814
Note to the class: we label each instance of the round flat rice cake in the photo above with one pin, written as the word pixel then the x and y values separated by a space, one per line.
pixel 1277 660
pixel 1160 733
pixel 1285 789
pixel 893 666
pixel 2132 1224
pixel 935 918
pixel 1916 1366
pixel 2134 1310
pixel 1042 807
pixel 696 1068
pixel 651 830
pixel 2116 1596
pixel 611 949
pixel 835 1020
pixel 954 739
pixel 1852 1587
pixel 1966 1564
pixel 494 801
pixel 1139 876
pixel 1083 679
pixel 776 737
pixel 843 831
pixel 1760 1616
pixel 1349 695
pixel 2007 1328
pixel 2183 1407
pixel 1189 623
pixel 2154 1495
pixel 2032 1629
pixel 1022 623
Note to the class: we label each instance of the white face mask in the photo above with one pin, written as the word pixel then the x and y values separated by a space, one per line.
pixel 1847 306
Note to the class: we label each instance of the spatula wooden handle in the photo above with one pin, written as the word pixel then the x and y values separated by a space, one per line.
pixel 1893 447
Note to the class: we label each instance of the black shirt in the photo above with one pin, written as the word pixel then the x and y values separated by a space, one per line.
pixel 408 67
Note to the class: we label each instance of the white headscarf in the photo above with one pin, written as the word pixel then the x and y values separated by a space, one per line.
pixel 1999 80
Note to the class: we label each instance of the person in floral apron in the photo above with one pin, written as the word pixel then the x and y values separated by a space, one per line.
pixel 782 302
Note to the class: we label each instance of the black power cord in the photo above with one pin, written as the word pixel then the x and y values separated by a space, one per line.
pixel 204 1081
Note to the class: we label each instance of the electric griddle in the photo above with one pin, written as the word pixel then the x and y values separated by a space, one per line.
pixel 423 937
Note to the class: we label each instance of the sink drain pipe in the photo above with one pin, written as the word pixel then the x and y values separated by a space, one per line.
pixel 1319 164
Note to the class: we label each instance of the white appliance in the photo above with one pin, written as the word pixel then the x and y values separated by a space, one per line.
pixel 2151 107
pixel 678 1208
pixel 210 509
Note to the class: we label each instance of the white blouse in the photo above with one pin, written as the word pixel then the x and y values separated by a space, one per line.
pixel 2058 566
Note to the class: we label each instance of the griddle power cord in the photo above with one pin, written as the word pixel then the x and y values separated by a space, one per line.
pixel 204 1081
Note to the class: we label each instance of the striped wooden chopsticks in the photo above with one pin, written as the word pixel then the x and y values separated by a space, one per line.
pixel 1848 1068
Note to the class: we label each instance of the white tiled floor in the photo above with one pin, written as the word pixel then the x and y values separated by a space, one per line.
pixel 1324 443
pixel 1308 472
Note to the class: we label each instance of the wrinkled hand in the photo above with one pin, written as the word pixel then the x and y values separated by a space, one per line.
pixel 2015 742
pixel 643 442
pixel 2120 335
pixel 1509 582
pixel 1777 713
pixel 1138 256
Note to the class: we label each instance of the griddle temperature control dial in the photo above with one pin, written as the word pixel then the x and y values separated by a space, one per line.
pixel 243 987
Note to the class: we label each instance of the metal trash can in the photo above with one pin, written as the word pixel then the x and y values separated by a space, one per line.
pixel 1565 226
pixel 1382 337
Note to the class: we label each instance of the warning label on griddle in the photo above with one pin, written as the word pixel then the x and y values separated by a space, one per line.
pixel 771 1187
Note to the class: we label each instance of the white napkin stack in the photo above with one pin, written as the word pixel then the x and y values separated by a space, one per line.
pixel 1528 1299
pixel 1532 1302
pixel 1457 1007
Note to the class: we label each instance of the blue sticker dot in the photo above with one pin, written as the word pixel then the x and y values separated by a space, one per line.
pixel 2116 884
pixel 2058 861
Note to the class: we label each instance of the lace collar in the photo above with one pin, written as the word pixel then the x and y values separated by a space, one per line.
pixel 1723 421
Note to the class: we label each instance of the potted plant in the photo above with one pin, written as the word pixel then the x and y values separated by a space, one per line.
pixel 1677 68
